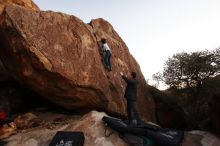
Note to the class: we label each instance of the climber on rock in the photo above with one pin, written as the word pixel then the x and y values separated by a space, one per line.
pixel 131 97
pixel 107 51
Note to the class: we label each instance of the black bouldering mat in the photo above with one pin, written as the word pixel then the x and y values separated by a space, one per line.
pixel 65 138
pixel 162 137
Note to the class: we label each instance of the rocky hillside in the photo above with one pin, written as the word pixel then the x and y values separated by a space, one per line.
pixel 59 57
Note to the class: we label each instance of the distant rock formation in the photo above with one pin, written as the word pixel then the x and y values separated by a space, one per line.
pixel 59 57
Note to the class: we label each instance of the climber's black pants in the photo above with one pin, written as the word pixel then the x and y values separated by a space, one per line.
pixel 108 59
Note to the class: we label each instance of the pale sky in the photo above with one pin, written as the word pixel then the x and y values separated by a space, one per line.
pixel 152 29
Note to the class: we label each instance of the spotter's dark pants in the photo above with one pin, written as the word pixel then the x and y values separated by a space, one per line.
pixel 132 109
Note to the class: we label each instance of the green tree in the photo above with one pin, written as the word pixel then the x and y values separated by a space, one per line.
pixel 189 70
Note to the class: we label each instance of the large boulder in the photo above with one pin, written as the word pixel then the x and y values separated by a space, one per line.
pixel 59 57
pixel 10 93
pixel 29 4
pixel 4 76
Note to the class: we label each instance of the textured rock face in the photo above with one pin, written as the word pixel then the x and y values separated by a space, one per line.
pixel 24 3
pixel 59 56
pixel 124 62
pixel 7 90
